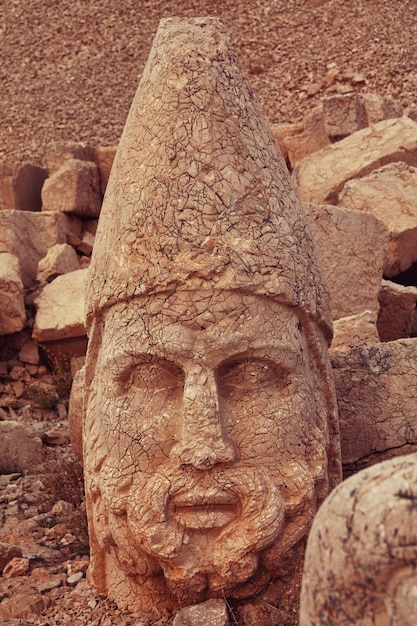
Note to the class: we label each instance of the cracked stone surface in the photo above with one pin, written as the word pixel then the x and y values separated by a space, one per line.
pixel 210 433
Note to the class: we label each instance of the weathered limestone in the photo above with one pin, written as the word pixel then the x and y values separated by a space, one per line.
pixel 20 448
pixel 320 177
pixel 20 188
pixel 389 193
pixel 12 304
pixel 210 430
pixel 361 553
pixel 76 411
pixel 73 188
pixel 60 308
pixel 104 158
pixel 351 249
pixel 377 398
pixel 397 310
pixel 58 153
pixel 60 259
pixel 29 236
pixel 354 330
pixel 213 612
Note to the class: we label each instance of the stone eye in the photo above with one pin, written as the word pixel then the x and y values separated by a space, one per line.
pixel 247 376
pixel 152 376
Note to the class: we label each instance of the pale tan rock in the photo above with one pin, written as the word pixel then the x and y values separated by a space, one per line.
pixel 377 398
pixel 354 330
pixel 18 566
pixel 312 139
pixel 397 310
pixel 60 259
pixel 20 187
pixel 29 353
pixel 58 153
pixel 361 553
pixel 210 429
pixel 213 612
pixel 86 244
pixel 351 249
pixel 12 303
pixel 74 188
pixel 29 236
pixel 380 108
pixel 20 447
pixel 320 177
pixel 389 193
pixel 104 158
pixel 60 308
pixel 76 411
pixel 281 132
pixel 25 604
pixel 7 201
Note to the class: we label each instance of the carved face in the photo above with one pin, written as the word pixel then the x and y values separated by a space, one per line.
pixel 204 437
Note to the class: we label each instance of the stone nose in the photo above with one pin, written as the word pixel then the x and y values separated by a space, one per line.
pixel 203 443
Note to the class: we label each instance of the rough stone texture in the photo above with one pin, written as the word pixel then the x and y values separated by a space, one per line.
pixel 281 132
pixel 320 177
pixel 7 201
pixel 213 612
pixel 86 244
pixel 351 249
pixel 60 308
pixel 377 398
pixel 18 566
pixel 60 259
pixel 210 432
pixel 104 158
pixel 312 139
pixel 12 304
pixel 7 553
pixel 389 193
pixel 29 353
pixel 30 235
pixel 354 330
pixel 60 152
pixel 75 412
pixel 361 553
pixel 397 310
pixel 346 114
pixel 74 188
pixel 20 187
pixel 20 448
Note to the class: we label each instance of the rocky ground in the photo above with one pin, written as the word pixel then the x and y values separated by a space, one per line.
pixel 69 69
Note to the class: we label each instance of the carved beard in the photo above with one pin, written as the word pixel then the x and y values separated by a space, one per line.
pixel 205 530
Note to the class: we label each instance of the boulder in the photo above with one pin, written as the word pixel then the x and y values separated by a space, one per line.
pixel 60 259
pixel 58 153
pixel 320 177
pixel 12 304
pixel 7 553
pixel 389 193
pixel 213 612
pixel 377 398
pixel 60 308
pixel 343 115
pixel 351 249
pixel 29 236
pixel 73 188
pixel 282 132
pixel 397 310
pixel 86 244
pixel 20 448
pixel 104 158
pixel 312 138
pixel 354 330
pixel 29 353
pixel 20 187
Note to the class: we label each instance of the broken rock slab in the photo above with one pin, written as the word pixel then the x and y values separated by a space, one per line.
pixel 60 308
pixel 12 304
pixel 20 448
pixel 74 188
pixel 397 310
pixel 20 188
pixel 351 250
pixel 354 330
pixel 389 193
pixel 377 398
pixel 60 259
pixel 29 236
pixel 104 158
pixel 321 177
pixel 213 612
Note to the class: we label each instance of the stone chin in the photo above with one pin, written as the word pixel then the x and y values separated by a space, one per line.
pixel 205 531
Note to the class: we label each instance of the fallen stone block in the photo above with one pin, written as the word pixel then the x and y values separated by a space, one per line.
pixel 60 259
pixel 389 193
pixel 213 612
pixel 20 188
pixel 59 152
pixel 12 303
pixel 20 448
pixel 351 250
pixel 60 308
pixel 354 330
pixel 7 553
pixel 320 177
pixel 74 188
pixel 397 310
pixel 377 398
pixel 104 158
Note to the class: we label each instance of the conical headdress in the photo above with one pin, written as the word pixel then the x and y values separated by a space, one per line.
pixel 199 196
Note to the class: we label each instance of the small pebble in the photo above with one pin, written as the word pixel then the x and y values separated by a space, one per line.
pixel 75 578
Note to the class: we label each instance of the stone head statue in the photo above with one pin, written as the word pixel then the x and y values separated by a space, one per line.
pixel 210 433
pixel 361 556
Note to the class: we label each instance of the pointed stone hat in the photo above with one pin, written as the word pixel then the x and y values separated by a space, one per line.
pixel 199 196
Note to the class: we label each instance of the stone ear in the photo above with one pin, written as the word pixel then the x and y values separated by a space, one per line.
pixel 76 413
